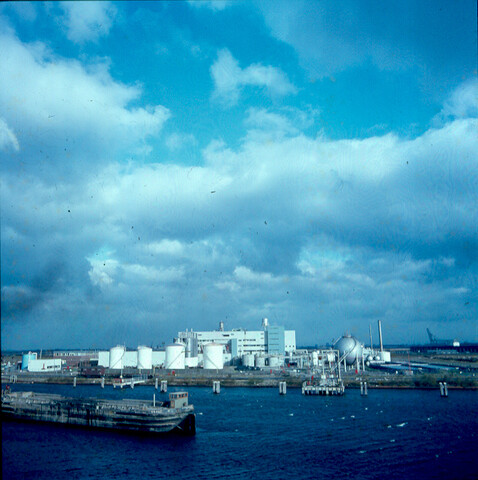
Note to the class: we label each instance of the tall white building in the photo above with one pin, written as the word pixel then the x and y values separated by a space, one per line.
pixel 271 340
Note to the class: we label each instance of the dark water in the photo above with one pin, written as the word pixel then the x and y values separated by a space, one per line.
pixel 256 433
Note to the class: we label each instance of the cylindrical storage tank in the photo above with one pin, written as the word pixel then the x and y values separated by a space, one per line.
pixel 116 356
pixel 26 359
pixel 175 354
pixel 248 360
pixel 212 357
pixel 145 358
pixel 274 361
pixel 260 361
pixel 350 348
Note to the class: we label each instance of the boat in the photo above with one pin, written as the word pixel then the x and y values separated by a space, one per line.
pixel 139 416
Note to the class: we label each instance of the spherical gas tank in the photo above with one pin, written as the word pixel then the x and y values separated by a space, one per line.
pixel 349 347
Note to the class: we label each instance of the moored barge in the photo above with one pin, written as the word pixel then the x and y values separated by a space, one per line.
pixel 139 416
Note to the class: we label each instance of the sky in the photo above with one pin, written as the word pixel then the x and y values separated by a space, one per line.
pixel 172 165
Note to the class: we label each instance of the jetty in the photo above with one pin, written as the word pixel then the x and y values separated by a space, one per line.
pixel 325 385
pixel 129 382
pixel 140 416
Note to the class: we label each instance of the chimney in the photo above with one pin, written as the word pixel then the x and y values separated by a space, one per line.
pixel 380 335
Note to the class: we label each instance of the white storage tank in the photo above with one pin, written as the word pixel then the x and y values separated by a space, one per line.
pixel 260 361
pixel 212 357
pixel 248 360
pixel 274 361
pixel 175 354
pixel 116 356
pixel 145 358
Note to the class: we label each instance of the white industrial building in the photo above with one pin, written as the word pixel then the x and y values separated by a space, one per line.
pixel 45 365
pixel 271 340
pixel 209 350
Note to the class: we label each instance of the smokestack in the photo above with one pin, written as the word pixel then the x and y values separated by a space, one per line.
pixel 370 330
pixel 380 335
pixel 221 326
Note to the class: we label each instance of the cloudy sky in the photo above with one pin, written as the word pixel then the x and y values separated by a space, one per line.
pixel 171 165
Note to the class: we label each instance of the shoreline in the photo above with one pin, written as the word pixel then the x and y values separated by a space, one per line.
pixel 255 382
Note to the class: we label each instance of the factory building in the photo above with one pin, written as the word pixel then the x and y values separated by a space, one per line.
pixel 31 363
pixel 271 340
pixel 45 365
pixel 208 349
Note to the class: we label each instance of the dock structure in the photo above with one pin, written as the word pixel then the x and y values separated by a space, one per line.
pixel 128 382
pixel 443 389
pixel 282 388
pixel 326 385
pixel 363 389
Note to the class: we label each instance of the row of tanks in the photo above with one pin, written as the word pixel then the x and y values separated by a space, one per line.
pixel 177 356
pixel 144 357
pixel 251 360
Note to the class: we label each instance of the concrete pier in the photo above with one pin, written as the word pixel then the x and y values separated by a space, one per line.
pixel 363 389
pixel 282 388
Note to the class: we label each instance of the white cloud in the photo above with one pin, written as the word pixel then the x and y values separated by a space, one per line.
pixel 462 103
pixel 374 221
pixel 259 119
pixel 60 106
pixel 102 272
pixel 229 79
pixel 152 274
pixel 88 21
pixel 7 137
pixel 177 141
pixel 166 247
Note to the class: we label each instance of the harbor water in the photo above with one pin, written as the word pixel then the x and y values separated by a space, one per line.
pixel 245 433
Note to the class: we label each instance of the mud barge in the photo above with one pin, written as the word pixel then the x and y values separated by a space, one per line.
pixel 138 416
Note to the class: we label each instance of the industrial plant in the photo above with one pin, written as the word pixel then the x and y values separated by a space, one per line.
pixel 272 347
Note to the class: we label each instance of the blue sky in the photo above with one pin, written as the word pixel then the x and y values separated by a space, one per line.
pixel 170 165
